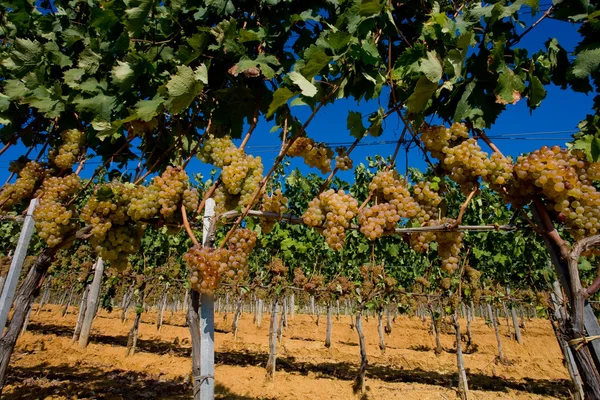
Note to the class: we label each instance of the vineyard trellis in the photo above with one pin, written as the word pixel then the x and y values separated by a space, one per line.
pixel 160 83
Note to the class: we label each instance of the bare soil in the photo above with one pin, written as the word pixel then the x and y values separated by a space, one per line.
pixel 46 365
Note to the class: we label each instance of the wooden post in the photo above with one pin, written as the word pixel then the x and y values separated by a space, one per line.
pixel 359 382
pixel 16 264
pixel 93 300
pixel 380 330
pixel 82 307
pixel 163 305
pixel 495 325
pixel 272 361
pixel 463 386
pixel 329 326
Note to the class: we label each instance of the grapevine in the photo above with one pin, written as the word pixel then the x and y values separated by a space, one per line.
pixel 275 203
pixel 342 159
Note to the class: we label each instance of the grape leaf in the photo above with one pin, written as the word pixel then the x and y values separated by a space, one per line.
pixel 307 88
pixel 183 88
pixel 355 125
pixel 586 62
pixel 280 97
pixel 431 67
pixel 423 92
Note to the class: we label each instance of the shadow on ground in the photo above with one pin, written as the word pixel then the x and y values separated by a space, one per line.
pixel 42 381
pixel 337 370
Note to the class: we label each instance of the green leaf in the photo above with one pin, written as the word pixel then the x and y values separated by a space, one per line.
pixel 46 102
pixel 14 89
pixel 89 61
pixel 122 74
pixel 537 92
pixel 370 7
pixel 586 62
pixel 355 125
pixel 4 102
pixel 136 16
pixel 363 248
pixel 263 61
pixel 307 88
pixel 72 77
pixel 595 148
pixel 201 74
pixel 585 143
pixel 25 55
pixel 422 94
pixel 183 88
pixel 317 60
pixel 432 67
pixel 280 97
pixel 57 55
pixel 455 60
pixel 148 109
pixel 100 106
pixel 509 87
pixel 376 128
pixel 338 40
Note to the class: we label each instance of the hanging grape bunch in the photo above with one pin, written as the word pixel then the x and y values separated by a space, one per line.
pixel 565 179
pixel 67 152
pixel 53 217
pixel 278 271
pixel 342 160
pixel 316 155
pixel 209 266
pixel 240 246
pixel 206 266
pixel 108 206
pixel 118 244
pixel 241 173
pixel 449 246
pixel 333 211
pixel 163 197
pixel 393 202
pixel 275 203
pixel 463 158
pixel 24 187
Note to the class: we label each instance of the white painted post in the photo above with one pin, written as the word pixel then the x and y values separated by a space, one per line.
pixel 207 322
pixel 10 285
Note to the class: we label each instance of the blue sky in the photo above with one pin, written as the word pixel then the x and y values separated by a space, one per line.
pixel 515 132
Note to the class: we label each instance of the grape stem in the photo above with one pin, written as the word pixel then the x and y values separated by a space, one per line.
pixel 275 164
pixel 463 208
pixel 207 195
pixel 188 229
pixel 364 204
pixel 487 140
pixel 332 174
pixel 253 124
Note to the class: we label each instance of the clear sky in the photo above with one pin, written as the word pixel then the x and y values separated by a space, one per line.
pixel 516 130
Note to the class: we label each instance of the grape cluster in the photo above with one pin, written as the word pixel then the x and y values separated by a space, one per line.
pixel 375 220
pixel 24 187
pixel 388 186
pixel 464 160
pixel 53 219
pixel 278 271
pixel 206 266
pixel 309 285
pixel 420 241
pixel 240 245
pixel 163 196
pixel 334 210
pixel 565 179
pixel 343 162
pixel 117 244
pixel 471 287
pixel 241 173
pixel 107 208
pixel 449 246
pixel 66 154
pixel 275 203
pixel 428 199
pixel 191 199
pixel 314 154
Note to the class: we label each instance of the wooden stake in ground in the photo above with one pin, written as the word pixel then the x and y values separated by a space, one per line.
pixel 463 386
pixel 380 330
pixel 359 382
pixel 82 308
pixel 92 306
pixel 10 284
pixel 329 325
pixel 133 332
pixel 271 363
pixel 495 326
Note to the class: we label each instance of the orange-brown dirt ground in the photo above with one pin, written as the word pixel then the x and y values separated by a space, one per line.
pixel 46 366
